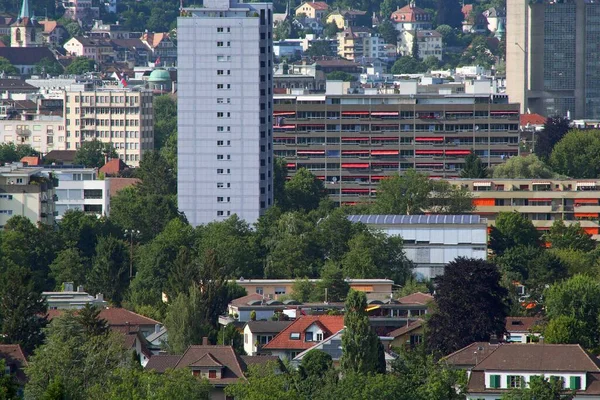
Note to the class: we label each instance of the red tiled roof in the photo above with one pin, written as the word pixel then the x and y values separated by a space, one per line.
pixel 329 323
pixel 521 324
pixel 31 160
pixel 466 10
pixel 113 167
pixel 115 317
pixel 409 14
pixel 532 119
pixel 117 184
pixel 317 5
pixel 416 298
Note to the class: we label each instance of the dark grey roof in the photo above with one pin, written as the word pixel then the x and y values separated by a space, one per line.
pixel 26 55
pixel 267 326
pixel 416 219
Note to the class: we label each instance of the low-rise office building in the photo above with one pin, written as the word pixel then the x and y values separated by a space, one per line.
pixel 432 241
pixel 43 133
pixel 541 200
pixel 27 192
pixel 80 189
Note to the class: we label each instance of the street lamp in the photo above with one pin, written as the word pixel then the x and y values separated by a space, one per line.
pixel 131 233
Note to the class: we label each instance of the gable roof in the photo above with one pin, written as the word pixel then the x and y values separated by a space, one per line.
pixel 472 354
pixel 411 326
pixel 259 359
pixel 330 324
pixel 244 300
pixel 539 357
pixel 521 324
pixel 32 161
pixel 26 55
pixel 532 119
pixel 267 326
pixel 317 5
pixel 410 14
pixel 115 317
pixel 113 166
pixel 13 355
pixel 161 362
pixel 154 39
pixel 224 355
pixel 61 155
pixel 416 298
pixel 207 360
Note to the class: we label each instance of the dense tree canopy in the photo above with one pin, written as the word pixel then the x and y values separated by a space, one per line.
pixel 530 167
pixel 555 128
pixel 577 154
pixel 94 153
pixel 80 65
pixel 512 229
pixel 473 168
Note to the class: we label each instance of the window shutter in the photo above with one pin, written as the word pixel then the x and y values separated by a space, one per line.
pixel 508 381
pixel 575 382
pixel 494 381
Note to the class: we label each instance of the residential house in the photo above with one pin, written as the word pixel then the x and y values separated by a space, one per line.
pixel 112 31
pixel 24 59
pixel 82 11
pixel 135 341
pixel 330 65
pixel 303 23
pixel 54 33
pixel 163 49
pixel 14 363
pixel 99 50
pixel 118 184
pixel 429 44
pixel 411 17
pixel 312 9
pixel 473 22
pixel 513 366
pixel 219 364
pixel 131 51
pixel 496 17
pixel 347 18
pixel 302 334
pixel 80 189
pixel 523 329
pixel 60 157
pixel 157 340
pixel 357 43
pixel 408 336
pixel 258 333
pixel 26 192
pixel 469 356
pixel 69 298
pixel 113 167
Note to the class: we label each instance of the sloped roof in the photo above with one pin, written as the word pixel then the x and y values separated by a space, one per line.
pixel 118 184
pixel 521 324
pixel 13 355
pixel 267 326
pixel 317 5
pixel 416 298
pixel 411 326
pixel 207 360
pixel 410 14
pixel 32 161
pixel 472 354
pixel 114 317
pixel 113 166
pixel 539 357
pixel 244 300
pixel 26 55
pixel 61 155
pixel 259 359
pixel 330 324
pixel 154 39
pixel 224 355
pixel 532 119
pixel 161 362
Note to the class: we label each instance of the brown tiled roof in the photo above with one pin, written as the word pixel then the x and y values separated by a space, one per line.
pixel 532 119
pixel 416 298
pixel 13 356
pixel 61 155
pixel 409 14
pixel 267 326
pixel 539 357
pixel 117 184
pixel 207 360
pixel 259 360
pixel 329 323
pixel 115 317
pixel 244 300
pixel 472 354
pixel 411 326
pixel 26 55
pixel 225 355
pixel 161 362
pixel 521 324
pixel 49 26
pixel 113 167
pixel 317 5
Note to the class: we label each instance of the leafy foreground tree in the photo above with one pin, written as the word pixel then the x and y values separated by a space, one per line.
pixel 555 128
pixel 9 388
pixel 541 388
pixel 473 168
pixel 73 360
pixel 530 167
pixel 573 307
pixel 110 269
pixel 231 336
pixel 362 351
pixel 80 65
pixel 572 237
pixel 93 153
pixel 471 306
pixel 304 191
pixel 578 154
pixel 512 229
pixel 136 383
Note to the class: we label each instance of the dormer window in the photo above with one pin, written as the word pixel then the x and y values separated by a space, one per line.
pixel 295 336
pixel 308 336
pixel 212 374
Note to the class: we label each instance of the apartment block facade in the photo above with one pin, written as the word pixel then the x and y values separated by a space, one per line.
pixel 351 142
pixel 225 155
pixel 552 57
pixel 122 117
pixel 43 133
pixel 541 200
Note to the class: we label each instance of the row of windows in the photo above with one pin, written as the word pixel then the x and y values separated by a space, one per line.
pixel 106 99
pixel 104 122
pixel 223 156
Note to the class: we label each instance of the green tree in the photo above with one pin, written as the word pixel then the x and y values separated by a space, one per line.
pixel 22 308
pixel 231 336
pixel 303 290
pixel 362 352
pixel 448 35
pixel 319 48
pixel 93 153
pixel 7 67
pixel 304 191
pixel 9 387
pixel 156 175
pixel 564 330
pixel 449 13
pixel 74 29
pixel 68 266
pixel 577 154
pixel 110 269
pixel 577 298
pixel 341 76
pixel 330 30
pixel 333 281
pixel 80 231
pixel 530 167
pixel 512 229
pixel 165 119
pixel 264 381
pixel 72 359
pixel 412 286
pixel 577 261
pixel 48 66
pixel 572 236
pixel 279 178
pixel 90 321
pixel 408 65
pixel 473 168
pixel 80 65
pixel 471 306
pixel 282 31
pixel 541 388
pixel 388 32
pixel 555 128
pixel 315 363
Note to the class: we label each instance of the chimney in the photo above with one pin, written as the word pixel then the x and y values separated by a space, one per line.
pixel 80 288
pixel 67 286
pixel 100 297
pixel 204 341
pixel 156 328
pixel 493 339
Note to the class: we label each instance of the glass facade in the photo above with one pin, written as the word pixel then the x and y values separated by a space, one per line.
pixel 592 60
pixel 559 46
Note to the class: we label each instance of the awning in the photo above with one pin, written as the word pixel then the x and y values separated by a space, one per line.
pixel 586 201
pixel 291 165
pixel 541 183
pixel 280 113
pixel 355 138
pixel 384 113
pixel 586 184
pixel 371 308
pixel 284 127
pixel 355 165
pixel 458 152
pixel 586 215
pixel 377 178
pixel 482 184
pixel 384 152
pixel 425 152
pixel 355 113
pixel 429 139
pixel 311 152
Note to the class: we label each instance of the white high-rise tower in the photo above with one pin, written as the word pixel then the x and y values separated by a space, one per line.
pixel 225 107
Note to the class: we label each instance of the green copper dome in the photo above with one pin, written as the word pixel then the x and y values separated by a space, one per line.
pixel 159 75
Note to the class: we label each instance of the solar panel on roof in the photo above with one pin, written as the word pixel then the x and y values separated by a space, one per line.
pixel 415 219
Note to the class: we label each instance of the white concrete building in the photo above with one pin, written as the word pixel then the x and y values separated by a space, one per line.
pixel 429 44
pixel 43 133
pixel 225 158
pixel 80 189
pixel 259 333
pixel 432 241
pixel 71 299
